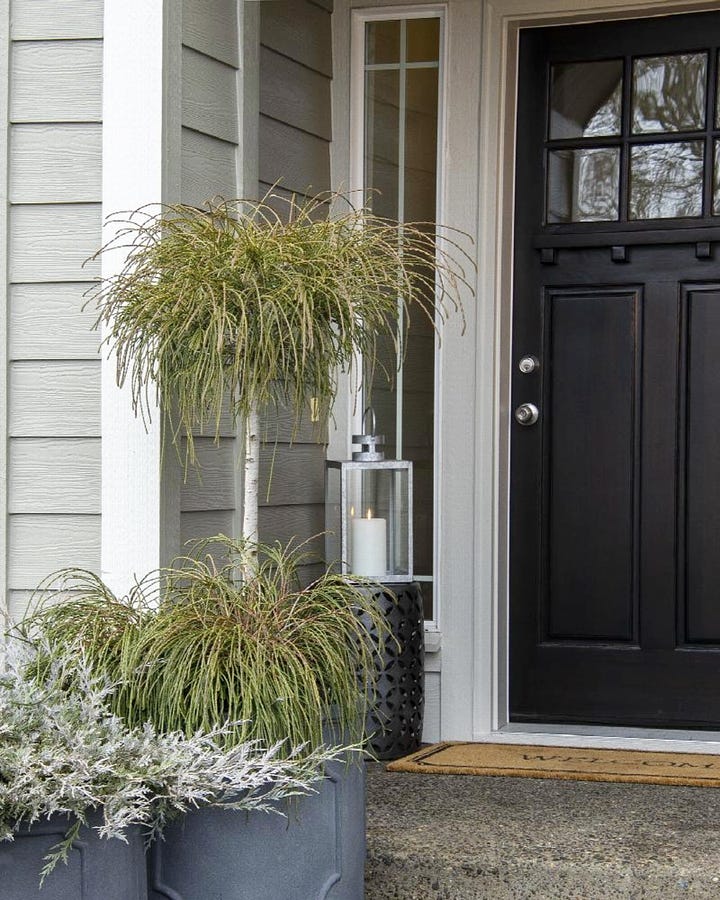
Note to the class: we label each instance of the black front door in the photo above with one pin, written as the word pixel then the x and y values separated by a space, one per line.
pixel 615 489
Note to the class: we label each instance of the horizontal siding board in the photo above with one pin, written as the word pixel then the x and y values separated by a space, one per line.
pixel 22 603
pixel 296 524
pixel 18 605
pixel 42 544
pixel 196 525
pixel 299 161
pixel 208 168
pixel 300 31
pixel 45 20
pixel 55 163
pixel 227 425
pixel 294 94
pixel 52 243
pixel 298 474
pixel 279 426
pixel 209 95
pixel 277 199
pixel 54 399
pixel 47 321
pixel 211 27
pixel 212 486
pixel 57 475
pixel 56 81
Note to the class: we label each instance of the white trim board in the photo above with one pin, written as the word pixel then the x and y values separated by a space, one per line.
pixel 141 131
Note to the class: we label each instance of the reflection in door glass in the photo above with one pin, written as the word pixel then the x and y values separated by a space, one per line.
pixel 716 179
pixel 669 93
pixel 583 185
pixel 586 99
pixel 666 180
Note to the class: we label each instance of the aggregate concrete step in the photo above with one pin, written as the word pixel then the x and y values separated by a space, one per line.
pixel 459 837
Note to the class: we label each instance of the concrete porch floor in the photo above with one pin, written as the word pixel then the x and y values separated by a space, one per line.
pixel 457 836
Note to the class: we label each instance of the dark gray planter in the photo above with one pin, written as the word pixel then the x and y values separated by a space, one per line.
pixel 318 853
pixel 97 869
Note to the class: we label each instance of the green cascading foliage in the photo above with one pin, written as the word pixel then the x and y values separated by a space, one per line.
pixel 263 303
pixel 194 646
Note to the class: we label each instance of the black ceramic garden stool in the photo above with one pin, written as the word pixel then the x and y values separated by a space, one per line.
pixel 396 720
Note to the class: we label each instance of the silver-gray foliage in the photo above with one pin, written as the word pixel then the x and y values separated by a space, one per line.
pixel 62 752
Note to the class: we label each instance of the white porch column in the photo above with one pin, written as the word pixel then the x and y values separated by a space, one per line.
pixel 141 126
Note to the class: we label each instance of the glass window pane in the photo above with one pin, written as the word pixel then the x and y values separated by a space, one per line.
pixel 583 185
pixel 716 181
pixel 401 161
pixel 423 40
pixel 421 124
pixel 382 133
pixel 382 42
pixel 669 93
pixel 586 99
pixel 666 180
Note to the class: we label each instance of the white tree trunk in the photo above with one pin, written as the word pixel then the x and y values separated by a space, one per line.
pixel 251 483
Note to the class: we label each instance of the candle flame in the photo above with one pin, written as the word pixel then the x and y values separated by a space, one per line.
pixel 352 511
pixel 369 514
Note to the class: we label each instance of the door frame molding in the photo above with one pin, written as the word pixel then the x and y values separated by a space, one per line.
pixel 502 21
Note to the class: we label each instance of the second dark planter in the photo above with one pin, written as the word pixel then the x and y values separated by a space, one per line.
pixel 317 853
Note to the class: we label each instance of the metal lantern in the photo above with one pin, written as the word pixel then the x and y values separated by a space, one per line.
pixel 368 503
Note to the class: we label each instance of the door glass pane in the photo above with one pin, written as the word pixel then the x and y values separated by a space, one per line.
pixel 666 180
pixel 586 99
pixel 669 93
pixel 716 180
pixel 583 185
pixel 382 132
pixel 423 40
pixel 382 42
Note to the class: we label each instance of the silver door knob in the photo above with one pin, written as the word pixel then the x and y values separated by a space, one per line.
pixel 529 364
pixel 527 414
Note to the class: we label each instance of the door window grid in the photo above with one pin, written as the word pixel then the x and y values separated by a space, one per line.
pixel 402 68
pixel 661 166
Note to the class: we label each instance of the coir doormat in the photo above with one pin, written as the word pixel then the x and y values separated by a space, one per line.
pixel 569 763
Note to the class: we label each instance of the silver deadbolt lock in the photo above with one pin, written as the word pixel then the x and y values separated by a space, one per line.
pixel 527 414
pixel 529 364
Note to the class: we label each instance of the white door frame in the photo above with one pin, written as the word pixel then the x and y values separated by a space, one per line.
pixel 502 21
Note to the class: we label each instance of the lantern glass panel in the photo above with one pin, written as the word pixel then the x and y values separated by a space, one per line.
pixel 368 508
pixel 377 516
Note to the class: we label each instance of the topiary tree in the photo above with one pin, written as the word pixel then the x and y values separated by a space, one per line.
pixel 238 304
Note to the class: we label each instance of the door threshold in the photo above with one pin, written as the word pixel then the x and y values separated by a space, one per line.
pixel 605 736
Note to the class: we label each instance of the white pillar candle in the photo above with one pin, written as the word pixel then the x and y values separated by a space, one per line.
pixel 368 546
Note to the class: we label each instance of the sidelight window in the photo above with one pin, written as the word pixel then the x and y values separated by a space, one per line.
pixel 398 172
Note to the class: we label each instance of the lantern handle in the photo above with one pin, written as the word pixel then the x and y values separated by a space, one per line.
pixel 374 423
